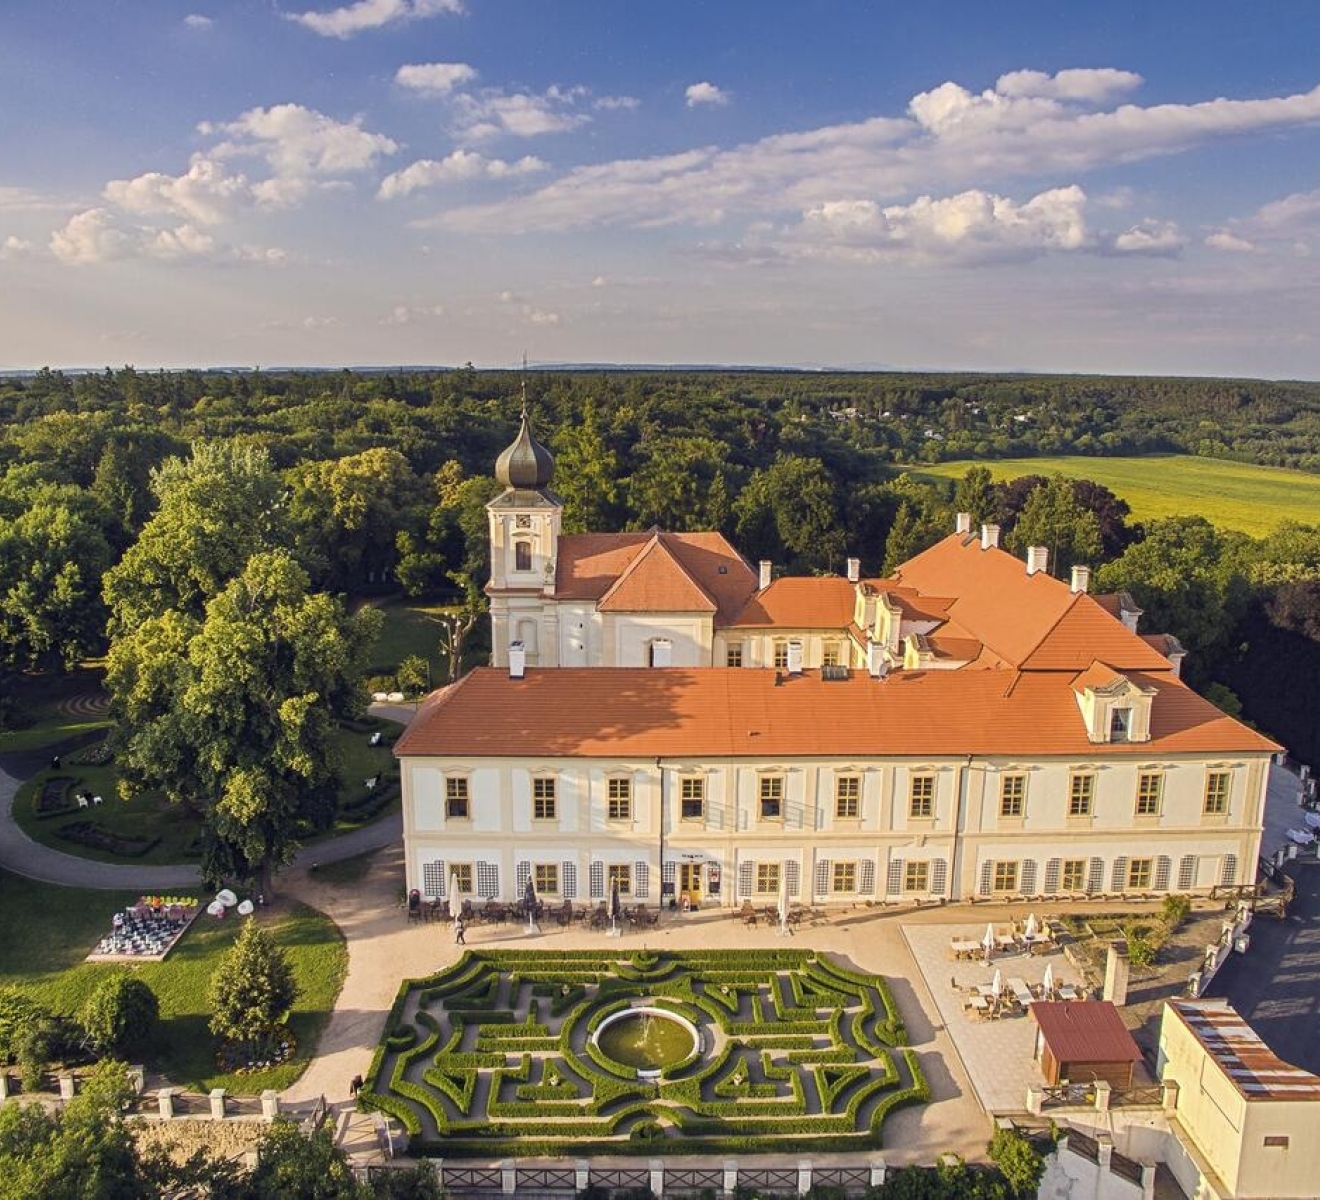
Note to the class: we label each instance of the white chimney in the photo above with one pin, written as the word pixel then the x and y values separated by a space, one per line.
pixel 795 658
pixel 1081 579
pixel 875 660
pixel 963 523
pixel 854 570
pixel 1038 560
pixel 989 537
pixel 766 566
pixel 662 652
pixel 517 660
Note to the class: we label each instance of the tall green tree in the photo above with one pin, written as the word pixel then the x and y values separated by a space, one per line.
pixel 1053 517
pixel 975 494
pixel 234 713
pixel 789 511
pixel 586 474
pixel 252 990
pixel 680 484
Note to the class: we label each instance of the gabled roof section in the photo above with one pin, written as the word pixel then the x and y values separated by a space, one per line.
pixel 801 602
pixel 655 581
pixel 1086 632
pixel 1085 1031
pixel 1098 677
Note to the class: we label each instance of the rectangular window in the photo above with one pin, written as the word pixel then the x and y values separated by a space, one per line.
pixel 692 798
pixel 1140 873
pixel 463 873
pixel 733 654
pixel 1081 794
pixel 844 877
pixel 767 878
pixel 456 799
pixel 916 877
pixel 1012 795
pixel 620 873
pixel 1073 876
pixel 1005 877
pixel 848 796
pixel 1120 724
pixel 522 556
pixel 921 796
pixel 546 878
pixel 619 799
pixel 1149 786
pixel 544 805
pixel 1216 793
pixel 1278 1141
pixel 781 655
pixel 772 798
pixel 829 655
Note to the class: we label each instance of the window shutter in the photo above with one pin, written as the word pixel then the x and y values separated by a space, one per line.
pixel 568 880
pixel 746 878
pixel 1118 879
pixel 939 876
pixel 1163 869
pixel 596 880
pixel 596 807
pixel 1095 881
pixel 1187 872
pixel 434 882
pixel 793 874
pixel 1028 880
pixel 894 884
pixel 866 877
pixel 488 880
pixel 642 880
pixel 822 877
pixel 1052 867
pixel 1229 877
pixel 524 874
pixel 987 869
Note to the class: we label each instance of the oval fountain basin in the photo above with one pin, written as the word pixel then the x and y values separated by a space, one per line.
pixel 647 1039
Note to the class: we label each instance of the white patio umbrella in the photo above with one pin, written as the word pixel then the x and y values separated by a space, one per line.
pixel 988 941
pixel 1032 928
pixel 455 898
pixel 1047 982
pixel 997 983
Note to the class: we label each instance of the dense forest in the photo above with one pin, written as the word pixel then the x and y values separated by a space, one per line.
pixel 121 487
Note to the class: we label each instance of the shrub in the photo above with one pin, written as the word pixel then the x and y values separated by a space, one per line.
pixel 121 1014
pixel 1141 950
pixel 18 1013
pixel 1018 1160
pixel 1176 909
pixel 414 674
pixel 252 989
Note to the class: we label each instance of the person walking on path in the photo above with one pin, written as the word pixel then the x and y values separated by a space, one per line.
pixel 459 930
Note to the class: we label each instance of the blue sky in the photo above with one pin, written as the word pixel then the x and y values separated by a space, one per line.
pixel 1107 187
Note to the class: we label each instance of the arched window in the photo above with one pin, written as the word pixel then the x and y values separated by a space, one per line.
pixel 522 556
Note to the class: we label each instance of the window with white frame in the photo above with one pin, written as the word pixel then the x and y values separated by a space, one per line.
pixel 457 799
pixel 772 797
pixel 733 654
pixel 1072 877
pixel 692 798
pixel 781 655
pixel 829 654
pixel 1120 724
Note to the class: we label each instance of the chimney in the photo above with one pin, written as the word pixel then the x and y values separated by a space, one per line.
pixel 989 537
pixel 875 660
pixel 662 652
pixel 963 523
pixel 1038 560
pixel 766 566
pixel 795 658
pixel 517 660
pixel 854 570
pixel 1081 579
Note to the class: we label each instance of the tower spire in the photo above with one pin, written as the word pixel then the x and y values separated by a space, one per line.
pixel 524 386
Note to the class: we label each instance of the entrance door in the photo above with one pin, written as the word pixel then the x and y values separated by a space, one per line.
pixel 689 884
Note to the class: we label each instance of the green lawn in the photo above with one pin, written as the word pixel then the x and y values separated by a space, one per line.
pixel 410 628
pixel 1233 495
pixel 49 931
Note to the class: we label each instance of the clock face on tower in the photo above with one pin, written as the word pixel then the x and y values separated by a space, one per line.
pixel 522 521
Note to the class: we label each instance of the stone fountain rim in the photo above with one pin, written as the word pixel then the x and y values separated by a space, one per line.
pixel 647 1010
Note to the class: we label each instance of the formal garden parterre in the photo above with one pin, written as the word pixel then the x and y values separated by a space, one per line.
pixel 498 1054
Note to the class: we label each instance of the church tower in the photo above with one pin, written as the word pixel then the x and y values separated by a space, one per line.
pixel 525 520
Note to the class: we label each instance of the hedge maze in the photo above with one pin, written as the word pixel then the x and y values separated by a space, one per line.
pixel 495 1055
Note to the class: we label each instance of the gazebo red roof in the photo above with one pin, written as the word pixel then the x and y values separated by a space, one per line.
pixel 1085 1031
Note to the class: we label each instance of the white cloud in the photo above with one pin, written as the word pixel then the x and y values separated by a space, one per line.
pixel 185 241
pixel 950 139
pixel 1093 85
pixel 198 21
pixel 1223 240
pixel 459 167
pixel 539 316
pixel 435 78
pixel 492 112
pixel 297 141
pixel 1150 237
pixel 371 14
pixel 973 226
pixel 600 281
pixel 89 237
pixel 615 103
pixel 705 93
pixel 404 314
pixel 15 247
pixel 205 193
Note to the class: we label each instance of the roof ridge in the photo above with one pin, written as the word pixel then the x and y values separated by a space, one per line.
pixel 661 538
pixel 655 544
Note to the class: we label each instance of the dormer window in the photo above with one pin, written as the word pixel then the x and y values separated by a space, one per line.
pixel 522 555
pixel 1120 724
pixel 1114 707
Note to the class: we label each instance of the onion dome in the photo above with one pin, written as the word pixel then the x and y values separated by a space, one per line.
pixel 526 465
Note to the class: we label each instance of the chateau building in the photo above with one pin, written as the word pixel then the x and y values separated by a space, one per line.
pixel 662 717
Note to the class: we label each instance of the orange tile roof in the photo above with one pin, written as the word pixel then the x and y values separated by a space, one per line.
pixel 612 712
pixel 1251 1066
pixel 655 581
pixel 1098 675
pixel 590 564
pixel 801 602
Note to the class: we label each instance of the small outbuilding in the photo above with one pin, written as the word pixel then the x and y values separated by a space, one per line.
pixel 1083 1041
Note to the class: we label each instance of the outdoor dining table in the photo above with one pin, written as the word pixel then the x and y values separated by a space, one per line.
pixel 1021 992
pixel 977 1003
pixel 1006 941
pixel 1068 992
pixel 965 949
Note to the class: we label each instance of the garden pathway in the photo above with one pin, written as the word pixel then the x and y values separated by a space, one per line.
pixel 22 856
